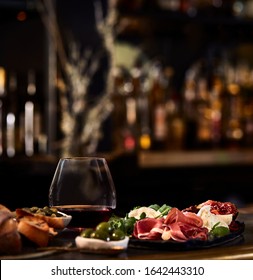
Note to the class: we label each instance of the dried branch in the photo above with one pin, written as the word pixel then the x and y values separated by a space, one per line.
pixel 81 121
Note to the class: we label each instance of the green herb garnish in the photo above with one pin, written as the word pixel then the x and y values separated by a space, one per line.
pixel 218 231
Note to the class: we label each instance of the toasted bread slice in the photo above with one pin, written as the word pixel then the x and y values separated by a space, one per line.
pixel 10 240
pixel 35 229
pixel 54 222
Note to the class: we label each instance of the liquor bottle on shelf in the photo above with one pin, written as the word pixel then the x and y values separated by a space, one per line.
pixel 1 127
pixel 247 110
pixel 175 121
pixel 189 108
pixel 129 131
pixel 11 118
pixel 10 135
pixel 158 109
pixel 32 117
pixel 143 108
pixel 248 124
pixel 233 131
pixel 216 92
pixel 2 108
pixel 204 124
pixel 124 113
pixel 118 99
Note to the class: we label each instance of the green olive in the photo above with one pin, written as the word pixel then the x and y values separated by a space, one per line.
pixel 100 234
pixel 105 226
pixel 87 232
pixel 33 209
pixel 117 234
pixel 45 211
pixel 54 210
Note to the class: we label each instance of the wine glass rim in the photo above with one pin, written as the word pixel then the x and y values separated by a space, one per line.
pixel 82 158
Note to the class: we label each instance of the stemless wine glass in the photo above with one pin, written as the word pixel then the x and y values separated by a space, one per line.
pixel 83 188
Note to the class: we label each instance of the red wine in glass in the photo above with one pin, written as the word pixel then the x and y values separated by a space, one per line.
pixel 85 216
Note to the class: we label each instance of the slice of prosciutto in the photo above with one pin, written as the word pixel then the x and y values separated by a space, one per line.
pixel 148 228
pixel 183 226
pixel 178 226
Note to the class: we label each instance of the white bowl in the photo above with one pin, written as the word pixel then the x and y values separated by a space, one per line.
pixel 98 244
pixel 57 222
pixel 66 218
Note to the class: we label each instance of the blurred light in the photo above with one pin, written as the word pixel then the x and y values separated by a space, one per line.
pixel 129 143
pixel 10 122
pixel 217 3
pixel 192 11
pixel 238 8
pixel 145 141
pixel 2 81
pixel 21 16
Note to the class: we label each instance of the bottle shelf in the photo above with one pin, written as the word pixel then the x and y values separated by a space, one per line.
pixel 167 22
pixel 147 159
pixel 195 158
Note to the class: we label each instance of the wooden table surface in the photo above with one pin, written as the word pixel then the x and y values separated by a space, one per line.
pixel 242 249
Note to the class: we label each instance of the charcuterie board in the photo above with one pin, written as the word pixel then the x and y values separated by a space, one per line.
pixel 235 237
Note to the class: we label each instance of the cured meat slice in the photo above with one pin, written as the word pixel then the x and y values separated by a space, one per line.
pixel 184 226
pixel 175 215
pixel 178 226
pixel 148 228
pixel 173 231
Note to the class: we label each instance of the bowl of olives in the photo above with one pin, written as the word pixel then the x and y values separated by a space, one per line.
pixel 103 237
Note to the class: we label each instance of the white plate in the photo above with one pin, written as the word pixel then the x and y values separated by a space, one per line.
pixel 98 244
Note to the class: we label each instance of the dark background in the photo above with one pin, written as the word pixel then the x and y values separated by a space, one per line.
pixel 25 181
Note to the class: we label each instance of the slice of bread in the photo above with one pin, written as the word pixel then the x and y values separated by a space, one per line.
pixel 10 243
pixel 35 229
pixel 10 240
pixel 54 222
pixel 4 208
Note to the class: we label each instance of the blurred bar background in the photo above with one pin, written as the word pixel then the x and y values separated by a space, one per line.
pixel 163 89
